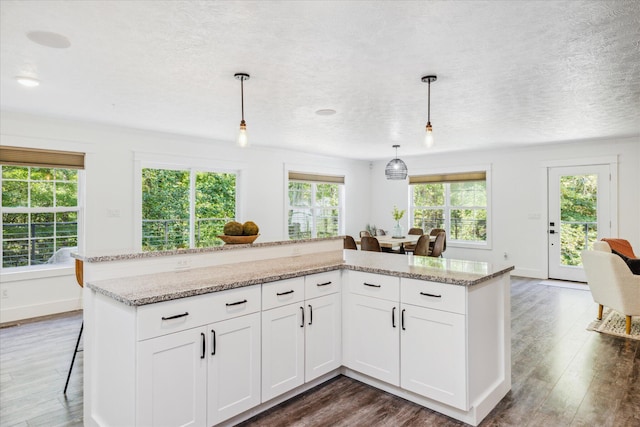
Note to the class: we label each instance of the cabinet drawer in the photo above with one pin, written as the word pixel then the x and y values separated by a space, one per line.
pixel 440 296
pixel 184 313
pixel 282 292
pixel 374 285
pixel 316 285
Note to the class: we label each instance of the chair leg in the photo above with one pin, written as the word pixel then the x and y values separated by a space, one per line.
pixel 74 358
pixel 628 325
pixel 599 311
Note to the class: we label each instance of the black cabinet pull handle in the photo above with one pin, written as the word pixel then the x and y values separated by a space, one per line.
pixel 393 317
pixel 323 284
pixel 203 345
pixel 177 316
pixel 213 342
pixel 402 320
pixel 285 293
pixel 302 310
pixel 310 314
pixel 430 295
pixel 371 284
pixel 229 304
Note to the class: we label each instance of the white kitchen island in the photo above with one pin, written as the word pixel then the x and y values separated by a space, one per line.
pixel 215 337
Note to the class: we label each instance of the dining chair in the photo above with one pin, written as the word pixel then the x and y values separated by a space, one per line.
pixel 410 247
pixel 438 245
pixel 350 243
pixel 434 232
pixel 422 245
pixel 368 243
pixel 365 234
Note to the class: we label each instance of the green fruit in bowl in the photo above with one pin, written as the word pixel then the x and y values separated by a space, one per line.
pixel 250 228
pixel 233 228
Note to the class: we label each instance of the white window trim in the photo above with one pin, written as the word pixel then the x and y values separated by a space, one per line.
pixel 144 160
pixel 316 170
pixel 486 245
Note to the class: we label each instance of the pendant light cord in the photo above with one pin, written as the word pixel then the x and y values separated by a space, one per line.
pixel 242 96
pixel 429 102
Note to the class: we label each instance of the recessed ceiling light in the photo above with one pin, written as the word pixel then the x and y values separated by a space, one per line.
pixel 326 112
pixel 28 81
pixel 48 39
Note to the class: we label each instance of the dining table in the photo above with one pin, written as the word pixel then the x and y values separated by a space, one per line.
pixel 388 241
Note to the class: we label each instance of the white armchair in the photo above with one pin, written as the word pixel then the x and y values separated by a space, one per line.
pixel 611 282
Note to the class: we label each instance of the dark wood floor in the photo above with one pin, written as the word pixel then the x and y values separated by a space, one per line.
pixel 563 375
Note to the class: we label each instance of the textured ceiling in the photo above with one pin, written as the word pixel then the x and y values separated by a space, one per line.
pixel 509 73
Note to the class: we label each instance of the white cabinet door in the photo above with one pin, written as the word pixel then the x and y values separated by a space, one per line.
pixel 372 334
pixel 233 367
pixel 282 350
pixel 433 354
pixel 172 380
pixel 323 339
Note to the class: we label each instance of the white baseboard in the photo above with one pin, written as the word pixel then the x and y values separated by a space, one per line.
pixel 27 312
pixel 529 272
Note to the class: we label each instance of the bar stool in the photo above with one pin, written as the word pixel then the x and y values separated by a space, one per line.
pixel 79 279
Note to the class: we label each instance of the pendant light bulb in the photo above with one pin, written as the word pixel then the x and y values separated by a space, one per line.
pixel 242 135
pixel 428 137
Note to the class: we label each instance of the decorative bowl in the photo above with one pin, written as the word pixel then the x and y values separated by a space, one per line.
pixel 238 240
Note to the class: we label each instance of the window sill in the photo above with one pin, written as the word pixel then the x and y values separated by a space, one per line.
pixel 16 274
pixel 468 245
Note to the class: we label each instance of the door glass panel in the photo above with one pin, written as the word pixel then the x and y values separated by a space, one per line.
pixel 578 216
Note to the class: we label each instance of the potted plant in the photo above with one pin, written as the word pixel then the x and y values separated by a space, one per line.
pixel 397 216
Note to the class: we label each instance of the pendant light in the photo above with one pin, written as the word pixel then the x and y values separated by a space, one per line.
pixel 428 138
pixel 242 135
pixel 396 168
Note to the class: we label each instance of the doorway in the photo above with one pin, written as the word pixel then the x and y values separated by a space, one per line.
pixel 579 214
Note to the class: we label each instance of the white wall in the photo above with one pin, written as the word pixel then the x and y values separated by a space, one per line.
pixel 519 192
pixel 110 176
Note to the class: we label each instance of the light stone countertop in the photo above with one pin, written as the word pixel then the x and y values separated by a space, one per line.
pixel 127 256
pixel 443 270
pixel 153 288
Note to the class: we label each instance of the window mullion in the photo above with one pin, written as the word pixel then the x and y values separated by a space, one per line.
pixel 314 213
pixel 192 208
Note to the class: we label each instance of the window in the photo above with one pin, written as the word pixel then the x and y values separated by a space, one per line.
pixel 40 206
pixel 315 206
pixel 185 208
pixel 454 202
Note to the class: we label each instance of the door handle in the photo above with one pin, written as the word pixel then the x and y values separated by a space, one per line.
pixel 393 317
pixel 302 310
pixel 177 316
pixel 284 293
pixel 310 314
pixel 213 342
pixel 203 345
pixel 402 320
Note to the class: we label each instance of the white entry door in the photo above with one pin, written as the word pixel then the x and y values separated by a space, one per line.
pixel 579 214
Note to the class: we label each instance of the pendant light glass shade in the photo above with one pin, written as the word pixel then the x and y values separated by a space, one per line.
pixel 242 134
pixel 428 138
pixel 396 168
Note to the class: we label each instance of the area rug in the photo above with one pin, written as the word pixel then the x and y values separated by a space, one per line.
pixel 613 323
